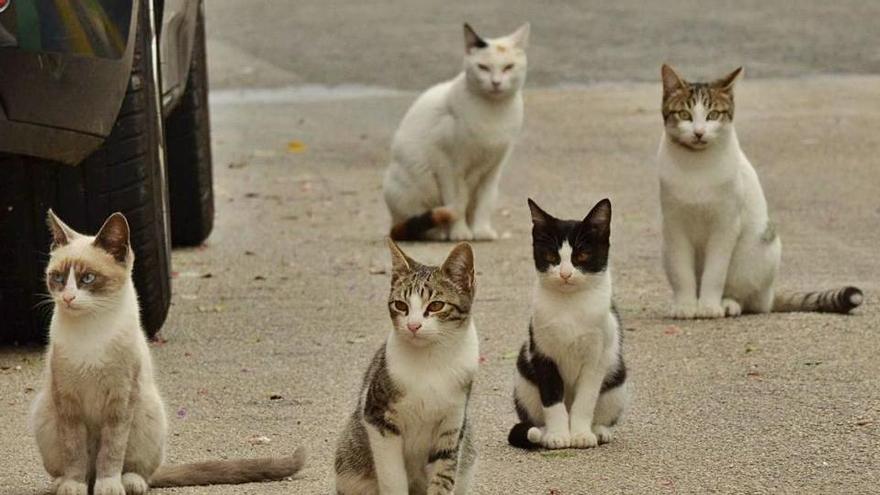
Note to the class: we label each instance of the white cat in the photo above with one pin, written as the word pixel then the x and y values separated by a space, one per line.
pixel 721 252
pixel 449 152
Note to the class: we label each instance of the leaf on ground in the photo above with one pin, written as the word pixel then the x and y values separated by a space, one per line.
pixel 275 397
pixel 259 440
pixel 296 146
pixel 672 330
pixel 358 339
pixel 510 355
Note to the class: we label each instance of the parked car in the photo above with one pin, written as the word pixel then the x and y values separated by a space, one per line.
pixel 103 108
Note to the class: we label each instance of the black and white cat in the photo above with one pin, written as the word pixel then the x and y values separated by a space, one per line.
pixel 449 151
pixel 410 432
pixel 721 251
pixel 570 388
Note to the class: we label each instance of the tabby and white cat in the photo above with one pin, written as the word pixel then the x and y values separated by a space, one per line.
pixel 98 419
pixel 721 252
pixel 410 433
pixel 570 387
pixel 449 152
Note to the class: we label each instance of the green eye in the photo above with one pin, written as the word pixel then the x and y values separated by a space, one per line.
pixel 684 115
pixel 401 306
pixel 713 115
pixel 87 278
pixel 436 306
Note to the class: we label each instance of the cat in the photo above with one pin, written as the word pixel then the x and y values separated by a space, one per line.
pixel 410 432
pixel 448 154
pixel 721 252
pixel 571 384
pixel 98 418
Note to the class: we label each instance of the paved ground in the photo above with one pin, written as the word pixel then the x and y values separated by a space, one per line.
pixel 284 299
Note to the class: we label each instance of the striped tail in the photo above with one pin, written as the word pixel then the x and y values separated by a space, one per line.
pixel 414 228
pixel 841 300
pixel 228 472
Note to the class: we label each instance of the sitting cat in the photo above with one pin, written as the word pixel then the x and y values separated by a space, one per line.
pixel 570 387
pixel 410 433
pixel 98 419
pixel 721 252
pixel 449 152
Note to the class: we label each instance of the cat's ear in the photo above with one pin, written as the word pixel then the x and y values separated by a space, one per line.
pixel 113 237
pixel 61 233
pixel 726 83
pixel 598 220
pixel 400 262
pixel 540 218
pixel 520 37
pixel 472 40
pixel 459 266
pixel 672 82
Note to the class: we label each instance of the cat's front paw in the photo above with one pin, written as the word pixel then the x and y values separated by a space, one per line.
pixel 134 484
pixel 584 440
pixel 731 307
pixel 460 232
pixel 485 233
pixel 603 433
pixel 549 439
pixel 683 310
pixel 109 486
pixel 710 310
pixel 67 486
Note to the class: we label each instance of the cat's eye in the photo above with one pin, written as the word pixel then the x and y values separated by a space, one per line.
pixel 581 257
pixel 400 306
pixel 508 67
pixel 483 67
pixel 551 258
pixel 684 115
pixel 714 115
pixel 436 306
pixel 87 278
pixel 57 277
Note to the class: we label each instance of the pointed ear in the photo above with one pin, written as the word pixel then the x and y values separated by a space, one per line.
pixel 599 219
pixel 540 218
pixel 472 40
pixel 459 266
pixel 726 82
pixel 113 237
pixel 672 82
pixel 400 262
pixel 61 233
pixel 520 37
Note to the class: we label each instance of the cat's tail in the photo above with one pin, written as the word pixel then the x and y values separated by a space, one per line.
pixel 841 300
pixel 414 228
pixel 519 436
pixel 228 472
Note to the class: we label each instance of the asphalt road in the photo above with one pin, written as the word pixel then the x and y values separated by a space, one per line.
pixel 287 297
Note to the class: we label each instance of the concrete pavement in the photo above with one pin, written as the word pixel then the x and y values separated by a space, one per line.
pixel 285 299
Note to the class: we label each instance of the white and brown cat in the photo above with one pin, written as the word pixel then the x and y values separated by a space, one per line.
pixel 721 251
pixel 98 418
pixel 448 154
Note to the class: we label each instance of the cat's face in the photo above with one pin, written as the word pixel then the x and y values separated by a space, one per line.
pixel 570 253
pixel 696 114
pixel 496 67
pixel 429 304
pixel 85 273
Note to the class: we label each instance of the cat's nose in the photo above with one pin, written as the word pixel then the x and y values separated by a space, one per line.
pixel 565 275
pixel 496 84
pixel 699 133
pixel 413 327
pixel 68 298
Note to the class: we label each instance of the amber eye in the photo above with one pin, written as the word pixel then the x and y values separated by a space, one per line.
pixel 508 67
pixel 483 67
pixel 684 115
pixel 436 306
pixel 581 257
pixel 401 306
pixel 551 258
pixel 714 115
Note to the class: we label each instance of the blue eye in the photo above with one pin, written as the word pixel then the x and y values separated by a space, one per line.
pixel 87 278
pixel 58 278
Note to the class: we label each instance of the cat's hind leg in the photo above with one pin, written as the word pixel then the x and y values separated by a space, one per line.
pixel 609 409
pixel 69 478
pixel 146 443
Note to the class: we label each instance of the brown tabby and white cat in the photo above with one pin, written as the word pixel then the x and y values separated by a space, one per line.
pixel 98 419
pixel 721 252
pixel 410 433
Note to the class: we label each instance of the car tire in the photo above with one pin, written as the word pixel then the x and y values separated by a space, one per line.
pixel 127 174
pixel 189 153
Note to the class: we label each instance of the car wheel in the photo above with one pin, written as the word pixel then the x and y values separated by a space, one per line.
pixel 189 153
pixel 127 174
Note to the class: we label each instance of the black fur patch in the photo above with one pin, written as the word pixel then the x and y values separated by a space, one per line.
pixel 381 394
pixel 542 372
pixel 589 238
